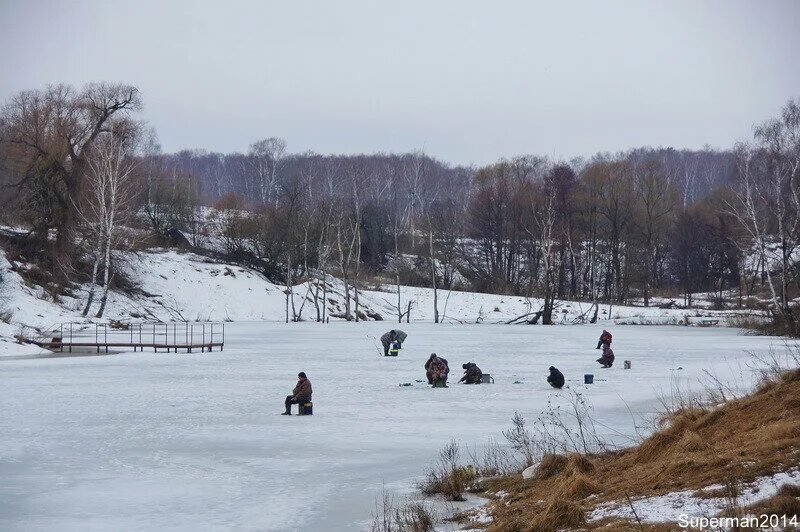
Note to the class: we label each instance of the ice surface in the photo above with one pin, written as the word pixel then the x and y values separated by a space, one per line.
pixel 194 441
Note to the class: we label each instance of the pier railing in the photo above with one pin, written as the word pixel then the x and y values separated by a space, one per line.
pixel 170 337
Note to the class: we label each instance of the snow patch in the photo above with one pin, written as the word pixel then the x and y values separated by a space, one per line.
pixel 669 507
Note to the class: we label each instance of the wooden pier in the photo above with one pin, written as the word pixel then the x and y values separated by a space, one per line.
pixel 169 337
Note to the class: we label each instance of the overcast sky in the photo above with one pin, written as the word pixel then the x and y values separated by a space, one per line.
pixel 468 81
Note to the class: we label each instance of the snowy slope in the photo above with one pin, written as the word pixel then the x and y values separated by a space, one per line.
pixel 177 286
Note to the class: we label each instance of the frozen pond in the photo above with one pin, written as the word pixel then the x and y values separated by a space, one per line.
pixel 195 441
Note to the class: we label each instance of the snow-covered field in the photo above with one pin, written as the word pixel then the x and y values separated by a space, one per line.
pixel 194 441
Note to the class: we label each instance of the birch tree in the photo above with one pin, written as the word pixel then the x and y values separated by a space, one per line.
pixel 266 158
pixel 108 205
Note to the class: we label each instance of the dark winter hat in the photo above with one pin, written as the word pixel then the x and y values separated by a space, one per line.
pixel 433 355
pixel 465 366
pixel 552 368
pixel 302 374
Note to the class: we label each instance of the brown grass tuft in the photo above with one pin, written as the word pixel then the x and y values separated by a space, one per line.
pixel 691 441
pixel 557 515
pixel 577 487
pixel 550 466
pixel 790 490
pixel 708 418
pixel 578 463
pixel 791 403
pixel 790 430
pixel 791 376
pixel 657 444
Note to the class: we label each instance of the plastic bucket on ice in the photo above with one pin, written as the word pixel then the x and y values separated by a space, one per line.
pixel 588 378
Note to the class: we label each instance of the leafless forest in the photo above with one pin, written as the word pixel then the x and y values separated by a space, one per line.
pixel 83 179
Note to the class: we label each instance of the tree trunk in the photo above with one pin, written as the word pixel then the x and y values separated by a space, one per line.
pixel 288 285
pixel 93 286
pixel 397 274
pixel 433 279
pixel 106 278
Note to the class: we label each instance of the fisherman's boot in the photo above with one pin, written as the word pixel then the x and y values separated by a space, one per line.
pixel 288 411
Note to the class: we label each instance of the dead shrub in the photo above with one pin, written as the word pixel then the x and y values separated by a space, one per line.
pixel 389 516
pixel 448 477
pixel 522 440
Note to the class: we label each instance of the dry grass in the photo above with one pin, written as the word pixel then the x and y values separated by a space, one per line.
pixel 695 447
pixel 393 516
pixel 784 503
pixel 448 477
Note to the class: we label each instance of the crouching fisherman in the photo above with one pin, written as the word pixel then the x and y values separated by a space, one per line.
pixel 556 378
pixel 472 373
pixel 436 369
pixel 393 339
pixel 300 395
pixel 607 360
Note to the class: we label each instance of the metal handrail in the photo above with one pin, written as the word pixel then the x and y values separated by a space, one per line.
pixel 170 336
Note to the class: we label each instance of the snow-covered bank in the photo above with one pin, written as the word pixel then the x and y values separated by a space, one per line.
pixel 177 286
pixel 144 441
pixel 669 507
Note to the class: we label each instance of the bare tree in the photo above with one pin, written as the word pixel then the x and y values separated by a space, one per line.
pixel 56 129
pixel 749 210
pixel 544 220
pixel 266 159
pixel 109 203
pixel 656 200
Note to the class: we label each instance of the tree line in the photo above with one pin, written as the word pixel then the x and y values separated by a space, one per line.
pixel 86 178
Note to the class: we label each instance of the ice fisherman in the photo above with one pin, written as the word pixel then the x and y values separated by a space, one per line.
pixel 607 359
pixel 605 339
pixel 472 373
pixel 395 336
pixel 556 378
pixel 300 395
pixel 436 369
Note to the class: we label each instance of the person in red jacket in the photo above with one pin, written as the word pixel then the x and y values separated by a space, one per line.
pixel 300 395
pixel 605 339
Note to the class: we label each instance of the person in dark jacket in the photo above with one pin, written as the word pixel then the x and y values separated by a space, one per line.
pixel 556 378
pixel 605 339
pixel 436 368
pixel 395 336
pixel 300 395
pixel 607 360
pixel 472 373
